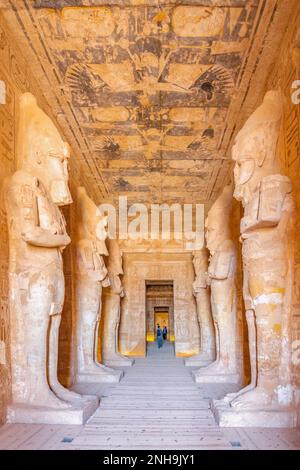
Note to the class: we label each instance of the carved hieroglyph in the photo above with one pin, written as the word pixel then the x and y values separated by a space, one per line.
pixel 221 275
pixel 268 237
pixel 201 292
pixel 91 276
pixel 37 236
pixel 112 309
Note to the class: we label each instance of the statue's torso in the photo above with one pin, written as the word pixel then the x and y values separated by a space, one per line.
pixel 222 264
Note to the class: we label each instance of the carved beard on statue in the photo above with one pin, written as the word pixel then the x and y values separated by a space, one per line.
pixel 41 150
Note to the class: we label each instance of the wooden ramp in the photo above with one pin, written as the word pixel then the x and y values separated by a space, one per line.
pixel 156 406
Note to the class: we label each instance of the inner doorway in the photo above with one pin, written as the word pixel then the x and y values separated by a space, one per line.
pixel 161 317
pixel 159 308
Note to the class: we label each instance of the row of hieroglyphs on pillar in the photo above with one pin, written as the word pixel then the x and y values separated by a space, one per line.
pixel 37 238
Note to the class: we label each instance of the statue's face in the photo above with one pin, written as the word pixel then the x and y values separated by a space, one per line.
pixel 58 162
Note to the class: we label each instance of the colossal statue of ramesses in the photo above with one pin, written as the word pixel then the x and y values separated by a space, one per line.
pixel 91 276
pixel 221 275
pixel 267 247
pixel 37 236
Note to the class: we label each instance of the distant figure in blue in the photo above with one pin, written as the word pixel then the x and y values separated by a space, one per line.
pixel 159 336
pixel 165 332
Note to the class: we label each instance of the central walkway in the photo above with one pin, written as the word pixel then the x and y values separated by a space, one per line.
pixel 157 405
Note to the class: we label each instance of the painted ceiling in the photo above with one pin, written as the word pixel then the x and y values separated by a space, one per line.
pixel 150 89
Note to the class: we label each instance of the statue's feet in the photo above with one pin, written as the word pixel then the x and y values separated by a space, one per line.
pixel 49 400
pixel 231 396
pixel 255 398
pixel 65 394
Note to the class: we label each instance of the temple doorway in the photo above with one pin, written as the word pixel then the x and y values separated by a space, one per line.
pixel 159 308
pixel 161 317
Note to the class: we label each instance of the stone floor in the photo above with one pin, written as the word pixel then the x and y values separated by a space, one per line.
pixel 156 406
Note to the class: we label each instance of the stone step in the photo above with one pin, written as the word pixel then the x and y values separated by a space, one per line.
pixel 147 438
pixel 156 394
pixel 154 425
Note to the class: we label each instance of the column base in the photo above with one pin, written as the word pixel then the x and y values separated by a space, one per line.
pixel 200 377
pixel 198 361
pixel 78 412
pixel 279 417
pixel 118 361
pixel 99 377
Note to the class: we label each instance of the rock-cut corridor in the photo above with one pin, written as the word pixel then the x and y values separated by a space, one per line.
pixel 157 405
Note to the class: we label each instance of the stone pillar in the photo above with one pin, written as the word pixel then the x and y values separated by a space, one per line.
pixel 221 275
pixel 112 309
pixel 37 236
pixel 268 237
pixel 201 292
pixel 91 275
